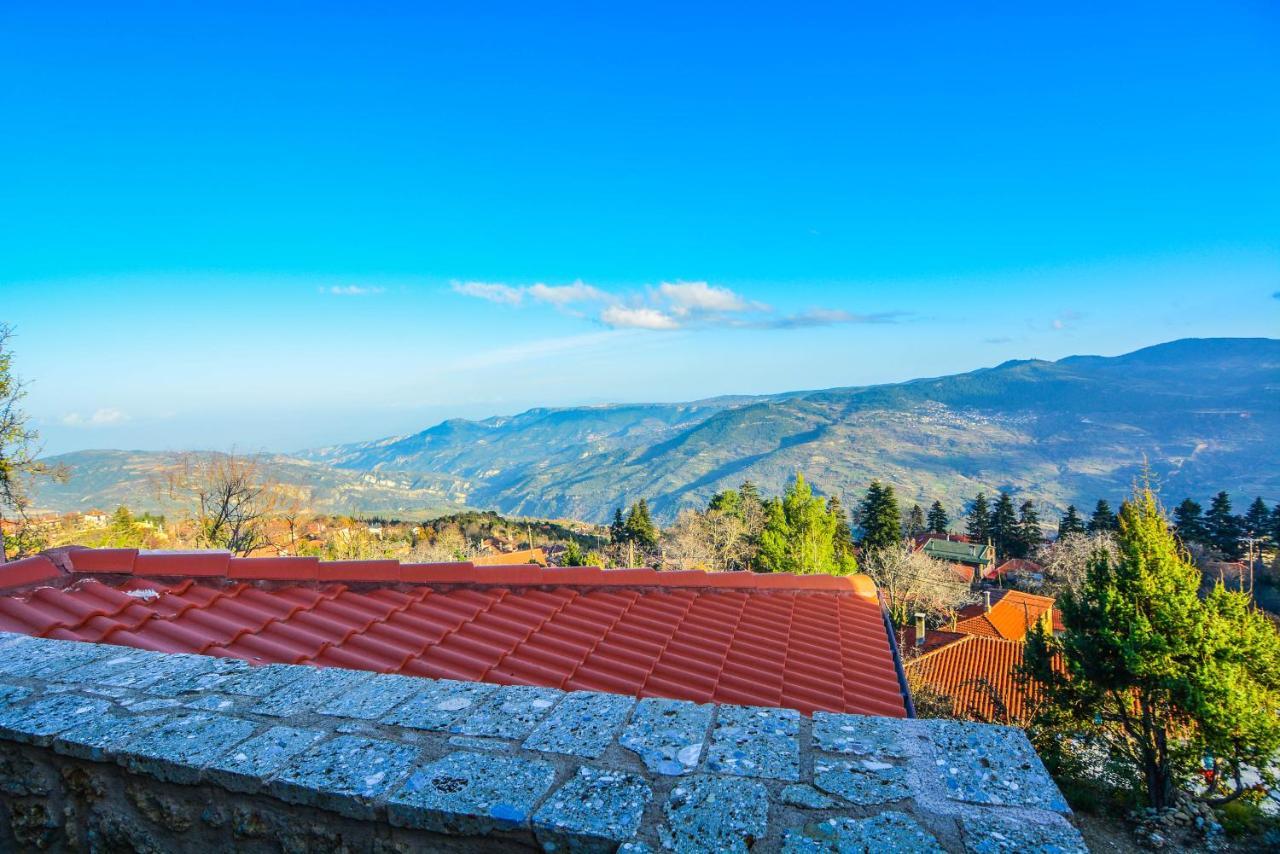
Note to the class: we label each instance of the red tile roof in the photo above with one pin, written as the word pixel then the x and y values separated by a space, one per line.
pixel 1012 614
pixel 1013 566
pixel 804 642
pixel 979 675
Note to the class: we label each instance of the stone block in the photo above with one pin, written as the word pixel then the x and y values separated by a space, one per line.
pixel 860 734
pixel 595 811
pixel 715 814
pixel 39 720
pixel 582 724
pixel 438 704
pixel 10 694
pixel 668 735
pixel 178 745
pixel 862 781
pixel 102 737
pixel 246 767
pixel 988 832
pixel 750 741
pixel 206 675
pixel 510 713
pixel 888 831
pixel 348 774
pixel 471 794
pixel 985 764
pixel 46 659
pixel 263 679
pixel 371 699
pixel 806 797
pixel 315 687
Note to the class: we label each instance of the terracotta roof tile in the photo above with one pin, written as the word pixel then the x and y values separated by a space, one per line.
pixel 979 675
pixel 808 642
pixel 1012 614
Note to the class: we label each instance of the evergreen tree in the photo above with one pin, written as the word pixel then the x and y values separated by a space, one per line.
pixel 573 555
pixel 915 522
pixel 1222 526
pixel 749 493
pixel 618 530
pixel 1103 519
pixel 842 539
pixel 123 532
pixel 978 521
pixel 1154 676
pixel 1257 519
pixel 1004 527
pixel 938 519
pixel 1070 523
pixel 639 528
pixel 1188 521
pixel 1029 534
pixel 1275 526
pixel 774 553
pixel 727 502
pixel 799 534
pixel 879 518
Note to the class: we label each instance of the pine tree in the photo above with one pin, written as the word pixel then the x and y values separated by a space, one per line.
pixel 1157 675
pixel 915 521
pixel 938 519
pixel 1103 519
pixel 1004 527
pixel 1188 521
pixel 639 527
pixel 618 530
pixel 572 555
pixel 978 521
pixel 879 518
pixel 774 553
pixel 727 502
pixel 1029 534
pixel 1222 526
pixel 1070 523
pixel 1257 519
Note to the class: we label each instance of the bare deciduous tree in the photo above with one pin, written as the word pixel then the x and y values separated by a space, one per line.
pixel 1066 560
pixel 229 496
pixel 19 446
pixel 711 540
pixel 914 582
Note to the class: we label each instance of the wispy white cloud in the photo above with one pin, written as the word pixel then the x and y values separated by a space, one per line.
pixel 100 418
pixel 353 290
pixel 1065 320
pixel 668 306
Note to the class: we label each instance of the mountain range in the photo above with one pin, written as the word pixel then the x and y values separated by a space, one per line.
pixel 1199 414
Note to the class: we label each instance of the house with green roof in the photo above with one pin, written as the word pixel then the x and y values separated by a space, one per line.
pixel 980 556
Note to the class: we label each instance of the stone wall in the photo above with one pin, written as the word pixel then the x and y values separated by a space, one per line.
pixel 106 748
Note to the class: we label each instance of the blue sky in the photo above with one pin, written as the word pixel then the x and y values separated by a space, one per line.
pixel 281 225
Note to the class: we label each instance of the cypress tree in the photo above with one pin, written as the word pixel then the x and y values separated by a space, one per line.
pixel 1222 526
pixel 1029 534
pixel 1188 521
pixel 775 539
pixel 1004 527
pixel 639 527
pixel 842 539
pixel 938 520
pixel 978 522
pixel 879 518
pixel 1070 523
pixel 915 521
pixel 1103 519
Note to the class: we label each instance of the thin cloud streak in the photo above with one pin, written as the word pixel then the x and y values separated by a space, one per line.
pixel 667 307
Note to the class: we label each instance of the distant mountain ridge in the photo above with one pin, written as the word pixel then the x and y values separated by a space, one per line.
pixel 1203 413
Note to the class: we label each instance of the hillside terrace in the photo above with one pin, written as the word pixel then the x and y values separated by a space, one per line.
pixel 192 700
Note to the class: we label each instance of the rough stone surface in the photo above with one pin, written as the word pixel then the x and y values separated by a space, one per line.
pixel 861 781
pixel 347 774
pixel 297 758
pixel 888 831
pixel 471 794
pixel 980 764
pixel 993 833
pixel 715 814
pixel 755 742
pixel 668 735
pixel 438 704
pixel 582 724
pixel 594 811
pixel 510 713
pixel 244 768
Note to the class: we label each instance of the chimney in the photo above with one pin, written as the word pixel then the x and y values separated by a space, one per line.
pixel 919 629
pixel 986 594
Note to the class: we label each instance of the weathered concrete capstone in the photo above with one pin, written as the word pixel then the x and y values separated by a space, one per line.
pixel 106 746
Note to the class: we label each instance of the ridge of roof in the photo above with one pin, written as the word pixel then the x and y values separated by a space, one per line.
pixel 69 562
